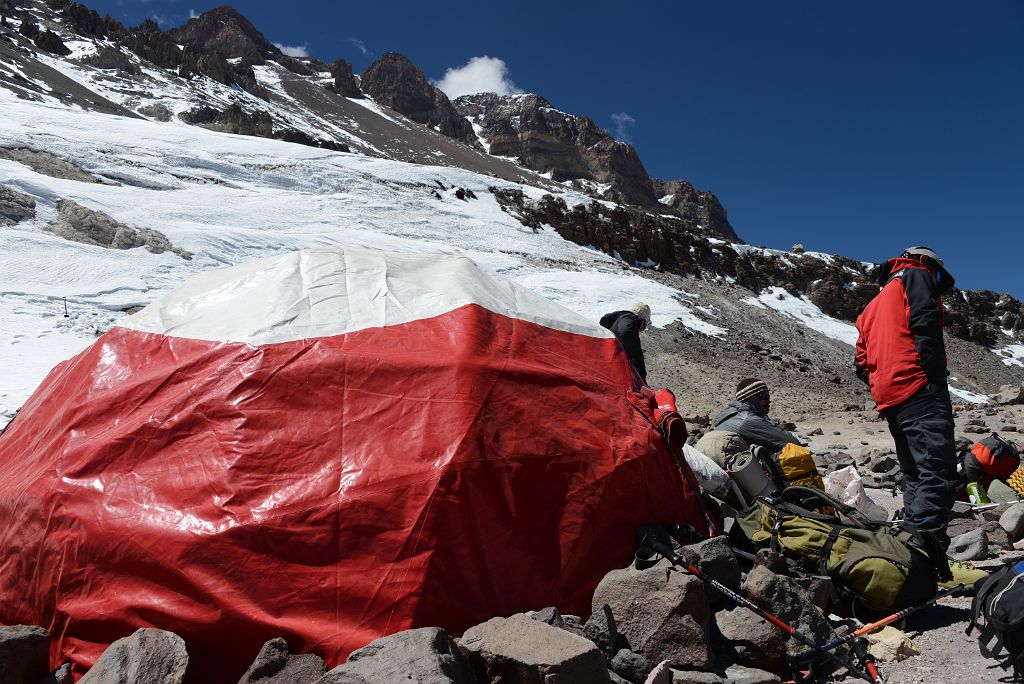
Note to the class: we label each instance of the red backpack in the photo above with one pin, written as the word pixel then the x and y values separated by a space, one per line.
pixel 991 458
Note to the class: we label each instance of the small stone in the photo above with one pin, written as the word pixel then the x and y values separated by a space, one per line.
pixel 738 674
pixel 631 666
pixel 970 546
pixel 890 645
pixel 62 675
pixel 692 677
pixel 600 629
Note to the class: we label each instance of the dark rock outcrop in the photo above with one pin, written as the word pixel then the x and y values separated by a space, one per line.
pixel 226 31
pixel 15 206
pixel 107 57
pixel 699 206
pixel 568 147
pixel 234 119
pixel 395 82
pixel 153 45
pixel 49 41
pixel 24 654
pixel 47 164
pixel 149 656
pixel 344 80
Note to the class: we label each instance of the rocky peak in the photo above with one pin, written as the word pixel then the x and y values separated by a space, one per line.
pixel 698 206
pixel 226 31
pixel 567 146
pixel 396 82
pixel 344 80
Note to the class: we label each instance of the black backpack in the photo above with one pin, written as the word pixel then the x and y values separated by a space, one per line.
pixel 998 612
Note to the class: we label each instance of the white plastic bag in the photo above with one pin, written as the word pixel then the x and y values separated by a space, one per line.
pixel 713 479
pixel 845 484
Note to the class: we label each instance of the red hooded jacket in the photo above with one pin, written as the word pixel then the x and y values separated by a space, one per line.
pixel 900 348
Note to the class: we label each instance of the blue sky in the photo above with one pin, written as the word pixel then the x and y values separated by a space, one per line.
pixel 856 128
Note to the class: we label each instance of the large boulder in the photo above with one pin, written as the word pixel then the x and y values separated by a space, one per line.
pixel 426 656
pixel 81 224
pixel 1010 394
pixel 1012 520
pixel 149 656
pixel 716 560
pixel 276 665
pixel 527 651
pixel 15 206
pixel 753 640
pixel 344 80
pixel 662 612
pixel 781 597
pixel 24 654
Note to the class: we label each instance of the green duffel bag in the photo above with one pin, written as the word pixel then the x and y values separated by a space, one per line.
pixel 883 567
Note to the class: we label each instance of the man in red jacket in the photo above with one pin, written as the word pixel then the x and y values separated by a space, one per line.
pixel 901 354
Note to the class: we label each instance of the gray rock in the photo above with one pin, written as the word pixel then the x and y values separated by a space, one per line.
pixel 631 666
pixel 81 224
pixel 62 675
pixel 600 629
pixel 1000 492
pixel 969 546
pixel 276 665
pixel 819 588
pixel 149 656
pixel 717 561
pixel 519 649
pixel 882 462
pixel 425 656
pixel 15 206
pixel 662 612
pixel 975 429
pixel 773 560
pixel 781 597
pixel 738 674
pixel 549 616
pixel 1010 394
pixel 155 111
pixel 24 654
pixel 753 640
pixel 1012 520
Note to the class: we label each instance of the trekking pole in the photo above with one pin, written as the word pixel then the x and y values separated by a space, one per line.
pixel 650 539
pixel 867 629
pixel 860 647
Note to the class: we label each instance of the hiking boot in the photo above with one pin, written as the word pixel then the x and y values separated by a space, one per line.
pixel 964 573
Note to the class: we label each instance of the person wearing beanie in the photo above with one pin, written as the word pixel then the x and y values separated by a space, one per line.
pixel 627 326
pixel 901 354
pixel 747 416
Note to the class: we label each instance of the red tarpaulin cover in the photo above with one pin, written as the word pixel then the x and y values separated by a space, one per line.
pixel 329 446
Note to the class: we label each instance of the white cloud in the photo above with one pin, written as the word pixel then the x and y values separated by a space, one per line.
pixel 160 20
pixel 623 122
pixel 479 75
pixel 192 14
pixel 292 50
pixel 360 45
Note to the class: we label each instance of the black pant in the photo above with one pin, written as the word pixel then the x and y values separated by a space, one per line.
pixel 922 427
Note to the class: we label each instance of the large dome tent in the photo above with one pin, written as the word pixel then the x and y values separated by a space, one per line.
pixel 328 445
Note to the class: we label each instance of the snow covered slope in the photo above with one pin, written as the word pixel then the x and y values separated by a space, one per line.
pixel 227 199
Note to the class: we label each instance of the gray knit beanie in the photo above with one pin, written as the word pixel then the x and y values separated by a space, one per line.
pixel 750 387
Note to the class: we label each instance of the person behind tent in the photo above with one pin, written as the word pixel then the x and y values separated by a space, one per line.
pixel 901 354
pixel 627 326
pixel 747 416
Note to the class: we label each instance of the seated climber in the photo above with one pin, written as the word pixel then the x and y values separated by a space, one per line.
pixel 627 326
pixel 747 416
